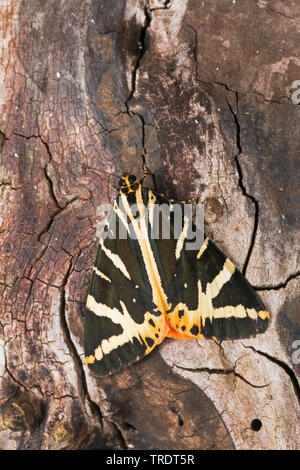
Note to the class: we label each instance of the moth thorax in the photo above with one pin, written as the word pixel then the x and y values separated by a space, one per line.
pixel 128 183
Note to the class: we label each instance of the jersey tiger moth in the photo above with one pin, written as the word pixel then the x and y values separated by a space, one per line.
pixel 144 290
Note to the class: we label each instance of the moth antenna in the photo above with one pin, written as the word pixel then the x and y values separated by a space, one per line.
pixel 145 145
pixel 103 171
pixel 146 172
pixel 112 187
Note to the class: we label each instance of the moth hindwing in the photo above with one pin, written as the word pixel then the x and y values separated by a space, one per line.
pixel 147 288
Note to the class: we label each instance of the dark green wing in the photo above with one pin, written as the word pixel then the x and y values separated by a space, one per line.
pixel 209 296
pixel 124 318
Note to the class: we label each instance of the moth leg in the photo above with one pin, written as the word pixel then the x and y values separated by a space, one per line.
pixel 146 171
pixel 189 201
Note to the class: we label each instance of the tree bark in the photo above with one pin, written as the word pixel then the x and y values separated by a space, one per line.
pixel 206 88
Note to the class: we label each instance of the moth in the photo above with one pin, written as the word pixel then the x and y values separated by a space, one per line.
pixel 146 288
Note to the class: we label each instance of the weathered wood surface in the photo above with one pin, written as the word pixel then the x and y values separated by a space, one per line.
pixel 83 84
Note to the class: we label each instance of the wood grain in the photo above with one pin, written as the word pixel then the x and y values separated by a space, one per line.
pixel 205 87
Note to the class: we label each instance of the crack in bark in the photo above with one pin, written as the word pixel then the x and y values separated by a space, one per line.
pixel 81 380
pixel 142 44
pixel 241 183
pixel 221 372
pixel 47 176
pixel 177 413
pixel 266 100
pixel 59 208
pixel 53 218
pixel 281 100
pixel 166 6
pixel 51 188
pixel 119 435
pixel 203 422
pixel 6 368
pixel 287 369
pixel 239 146
pixel 279 286
pixel 195 49
pixel 142 47
pixel 3 138
pixel 21 384
pixel 238 165
pixel 277 12
pixel 45 169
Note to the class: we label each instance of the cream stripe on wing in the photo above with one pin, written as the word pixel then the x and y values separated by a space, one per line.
pixel 130 328
pixel 100 274
pixel 115 259
pixel 141 230
pixel 205 309
pixel 224 276
pixel 150 207
pixel 121 216
pixel 203 247
pixel 239 311
pixel 182 237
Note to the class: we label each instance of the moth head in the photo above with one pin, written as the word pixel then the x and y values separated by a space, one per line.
pixel 128 183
